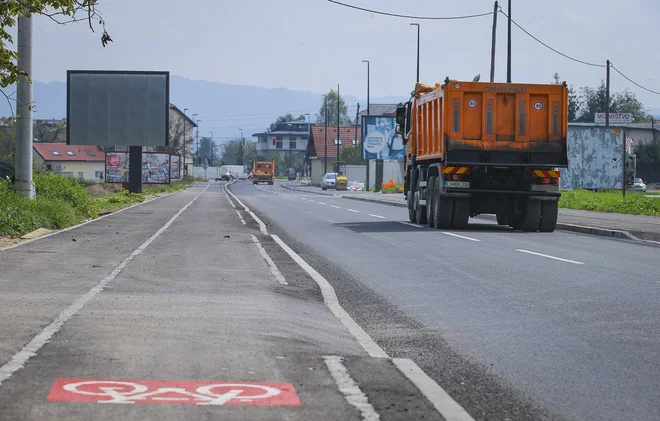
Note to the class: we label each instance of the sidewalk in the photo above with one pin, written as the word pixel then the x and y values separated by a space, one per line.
pixel 630 227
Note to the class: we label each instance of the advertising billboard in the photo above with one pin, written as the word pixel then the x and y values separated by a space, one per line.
pixel 107 108
pixel 155 167
pixel 116 167
pixel 175 168
pixel 380 140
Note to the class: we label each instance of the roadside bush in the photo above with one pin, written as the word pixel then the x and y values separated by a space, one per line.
pixel 69 190
pixel 610 201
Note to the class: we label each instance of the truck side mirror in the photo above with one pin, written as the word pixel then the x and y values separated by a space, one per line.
pixel 401 115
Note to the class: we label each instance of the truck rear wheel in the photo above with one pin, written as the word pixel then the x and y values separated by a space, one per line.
pixel 411 198
pixel 502 219
pixel 461 213
pixel 532 218
pixel 430 195
pixel 549 211
pixel 420 210
pixel 443 209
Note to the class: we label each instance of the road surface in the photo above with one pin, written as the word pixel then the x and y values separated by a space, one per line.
pixel 177 310
pixel 512 325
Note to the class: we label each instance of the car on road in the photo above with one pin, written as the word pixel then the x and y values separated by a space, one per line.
pixel 639 185
pixel 329 181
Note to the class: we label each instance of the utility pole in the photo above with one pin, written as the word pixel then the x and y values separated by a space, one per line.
pixel 185 117
pixel 24 130
pixel 508 48
pixel 492 50
pixel 325 155
pixel 417 25
pixel 211 147
pixel 309 136
pixel 607 95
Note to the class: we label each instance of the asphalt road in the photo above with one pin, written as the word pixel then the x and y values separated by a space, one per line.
pixel 171 311
pixel 512 325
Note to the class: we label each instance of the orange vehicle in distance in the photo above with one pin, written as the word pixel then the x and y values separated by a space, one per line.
pixel 263 171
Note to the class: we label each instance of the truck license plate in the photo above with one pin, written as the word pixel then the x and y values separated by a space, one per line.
pixel 457 184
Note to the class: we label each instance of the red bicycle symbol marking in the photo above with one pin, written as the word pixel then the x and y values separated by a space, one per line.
pixel 173 392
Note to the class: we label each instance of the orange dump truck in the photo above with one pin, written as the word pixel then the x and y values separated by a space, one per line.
pixel 263 171
pixel 485 148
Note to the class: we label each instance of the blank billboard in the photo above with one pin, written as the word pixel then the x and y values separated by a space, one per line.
pixel 108 108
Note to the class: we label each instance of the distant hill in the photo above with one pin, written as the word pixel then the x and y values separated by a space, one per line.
pixel 655 112
pixel 223 108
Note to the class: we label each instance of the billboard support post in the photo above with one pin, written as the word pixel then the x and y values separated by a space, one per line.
pixel 135 169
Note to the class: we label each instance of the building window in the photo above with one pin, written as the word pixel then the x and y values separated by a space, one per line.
pixel 90 152
pixel 278 144
pixel 292 145
pixel 98 175
pixel 56 153
pixel 354 142
pixel 49 167
pixel 81 175
pixel 70 153
pixel 337 142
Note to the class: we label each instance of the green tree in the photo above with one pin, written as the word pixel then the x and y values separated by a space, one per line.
pixel 49 131
pixel 60 11
pixel 557 79
pixel 331 98
pixel 208 150
pixel 574 104
pixel 235 153
pixel 285 119
pixel 351 155
pixel 648 156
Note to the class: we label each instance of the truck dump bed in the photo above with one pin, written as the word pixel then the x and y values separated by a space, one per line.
pixel 477 123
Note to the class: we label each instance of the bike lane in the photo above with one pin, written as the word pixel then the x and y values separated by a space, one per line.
pixel 198 327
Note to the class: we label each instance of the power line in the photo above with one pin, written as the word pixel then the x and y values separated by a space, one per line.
pixel 632 81
pixel 550 48
pixel 396 15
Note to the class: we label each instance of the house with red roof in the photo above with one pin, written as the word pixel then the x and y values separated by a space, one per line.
pixel 323 147
pixel 84 162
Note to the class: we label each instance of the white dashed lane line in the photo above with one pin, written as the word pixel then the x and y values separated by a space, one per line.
pixel 353 210
pixel 336 207
pixel 376 216
pixel 460 236
pixel 550 257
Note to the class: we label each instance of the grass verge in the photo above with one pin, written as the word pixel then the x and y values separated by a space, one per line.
pixel 63 202
pixel 610 201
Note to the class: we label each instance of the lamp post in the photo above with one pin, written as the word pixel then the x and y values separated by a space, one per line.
pixel 368 109
pixel 242 144
pixel 198 140
pixel 309 134
pixel 417 25
pixel 211 147
pixel 185 117
pixel 325 154
pixel 290 136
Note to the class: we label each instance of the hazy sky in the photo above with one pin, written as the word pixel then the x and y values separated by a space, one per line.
pixel 313 45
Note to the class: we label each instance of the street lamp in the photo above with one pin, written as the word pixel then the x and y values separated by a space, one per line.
pixel 185 117
pixel 290 136
pixel 198 140
pixel 417 25
pixel 211 147
pixel 242 144
pixel 368 109
pixel 309 134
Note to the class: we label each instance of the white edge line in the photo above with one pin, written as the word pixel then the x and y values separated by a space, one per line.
pixel 440 399
pixel 240 216
pixel 410 224
pixel 376 216
pixel 227 196
pixel 19 359
pixel 262 226
pixel 460 236
pixel 347 386
pixel 550 257
pixel 22 243
pixel 273 267
pixel 330 299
